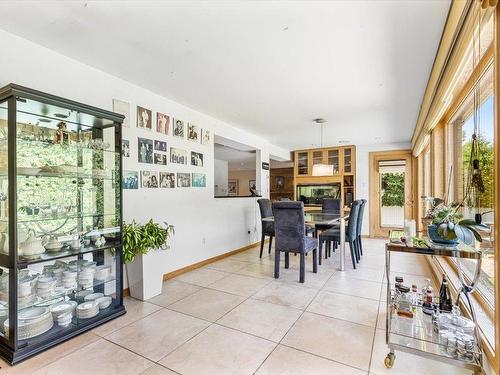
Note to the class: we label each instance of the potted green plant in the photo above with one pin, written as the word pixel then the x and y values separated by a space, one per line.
pixel 448 225
pixel 138 242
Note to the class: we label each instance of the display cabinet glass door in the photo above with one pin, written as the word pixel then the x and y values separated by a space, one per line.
pixel 303 163
pixel 68 219
pixel 333 159
pixel 317 157
pixel 347 160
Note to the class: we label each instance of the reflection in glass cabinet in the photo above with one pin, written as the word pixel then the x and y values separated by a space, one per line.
pixel 60 240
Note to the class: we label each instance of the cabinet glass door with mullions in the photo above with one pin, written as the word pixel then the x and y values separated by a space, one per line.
pixel 60 220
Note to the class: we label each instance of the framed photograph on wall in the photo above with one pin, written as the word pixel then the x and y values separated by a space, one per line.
pixel 178 128
pixel 178 155
pixel 206 137
pixel 193 133
pixel 251 185
pixel 123 108
pixel 162 123
pixel 160 146
pixel 183 179
pixel 145 150
pixel 232 187
pixel 196 159
pixel 280 182
pixel 130 180
pixel 160 159
pixel 149 179
pixel 199 180
pixel 167 180
pixel 144 118
pixel 125 148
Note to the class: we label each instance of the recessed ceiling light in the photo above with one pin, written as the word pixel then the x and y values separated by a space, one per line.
pixel 285 28
pixel 60 115
pixel 343 141
pixel 44 120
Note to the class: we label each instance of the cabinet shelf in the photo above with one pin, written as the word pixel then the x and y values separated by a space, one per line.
pixel 38 172
pixel 23 262
pixel 36 218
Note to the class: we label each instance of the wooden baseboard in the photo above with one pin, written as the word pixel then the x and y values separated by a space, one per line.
pixel 194 266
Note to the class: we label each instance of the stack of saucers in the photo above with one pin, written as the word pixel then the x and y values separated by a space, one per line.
pixel 61 308
pixel 68 279
pixel 87 309
pixel 45 286
pixel 64 320
pixel 86 278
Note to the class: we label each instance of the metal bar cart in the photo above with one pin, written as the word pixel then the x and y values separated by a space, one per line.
pixel 418 335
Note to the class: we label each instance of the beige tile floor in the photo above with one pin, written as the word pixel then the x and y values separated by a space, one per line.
pixel 232 317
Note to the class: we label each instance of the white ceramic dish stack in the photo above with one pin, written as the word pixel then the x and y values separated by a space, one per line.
pixel 65 319
pixel 93 296
pixel 68 279
pixel 87 310
pixel 62 308
pixel 104 302
pixel 45 286
pixel 32 322
pixel 102 272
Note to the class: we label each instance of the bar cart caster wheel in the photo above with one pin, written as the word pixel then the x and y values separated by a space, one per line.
pixel 389 360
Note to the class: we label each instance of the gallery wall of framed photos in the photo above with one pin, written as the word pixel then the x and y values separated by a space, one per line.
pixel 169 152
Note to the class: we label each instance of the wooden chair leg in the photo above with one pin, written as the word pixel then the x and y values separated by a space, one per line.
pixel 270 243
pixel 276 264
pixel 353 256
pixel 287 260
pixel 315 261
pixel 302 267
pixel 262 244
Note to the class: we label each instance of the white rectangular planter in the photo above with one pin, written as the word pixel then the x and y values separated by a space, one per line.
pixel 144 280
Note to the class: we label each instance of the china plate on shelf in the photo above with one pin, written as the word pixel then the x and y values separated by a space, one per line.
pixel 31 313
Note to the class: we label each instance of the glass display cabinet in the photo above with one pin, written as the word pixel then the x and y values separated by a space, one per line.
pixel 60 220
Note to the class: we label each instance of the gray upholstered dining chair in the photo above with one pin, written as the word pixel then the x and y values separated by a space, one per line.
pixel 266 210
pixel 359 226
pixel 291 237
pixel 333 235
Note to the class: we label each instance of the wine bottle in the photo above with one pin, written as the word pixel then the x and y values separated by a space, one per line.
pixel 445 303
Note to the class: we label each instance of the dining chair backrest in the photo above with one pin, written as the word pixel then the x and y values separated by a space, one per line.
pixel 331 205
pixel 352 225
pixel 360 217
pixel 266 210
pixel 289 226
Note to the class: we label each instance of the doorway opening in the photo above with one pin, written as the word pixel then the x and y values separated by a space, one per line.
pixel 391 193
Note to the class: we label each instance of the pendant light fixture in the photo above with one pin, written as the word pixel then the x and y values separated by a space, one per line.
pixel 321 169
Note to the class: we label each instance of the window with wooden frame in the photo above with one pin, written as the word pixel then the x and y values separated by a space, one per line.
pixel 464 103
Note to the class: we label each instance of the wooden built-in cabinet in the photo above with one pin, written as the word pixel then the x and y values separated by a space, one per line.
pixel 343 160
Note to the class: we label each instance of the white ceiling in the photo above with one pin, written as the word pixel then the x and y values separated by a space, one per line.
pixel 237 159
pixel 268 67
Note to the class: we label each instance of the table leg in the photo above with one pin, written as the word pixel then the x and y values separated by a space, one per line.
pixel 342 244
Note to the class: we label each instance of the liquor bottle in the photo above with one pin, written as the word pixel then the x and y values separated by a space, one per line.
pixel 445 303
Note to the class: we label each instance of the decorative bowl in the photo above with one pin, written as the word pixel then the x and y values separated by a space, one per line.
pixel 432 231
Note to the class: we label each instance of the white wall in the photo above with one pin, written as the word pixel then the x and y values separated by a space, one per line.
pixel 205 226
pixel 363 174
pixel 221 173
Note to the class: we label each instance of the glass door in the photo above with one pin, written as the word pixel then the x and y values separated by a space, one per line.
pixel 303 163
pixel 392 193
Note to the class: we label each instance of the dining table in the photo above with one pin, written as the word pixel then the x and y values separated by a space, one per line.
pixel 319 218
